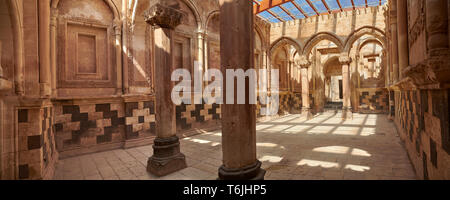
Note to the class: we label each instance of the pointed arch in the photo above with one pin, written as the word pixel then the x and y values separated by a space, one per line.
pixel 285 41
pixel 196 13
pixel 110 3
pixel 17 28
pixel 318 37
pixel 366 30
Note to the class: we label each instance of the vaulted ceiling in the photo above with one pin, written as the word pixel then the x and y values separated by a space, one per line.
pixel 285 10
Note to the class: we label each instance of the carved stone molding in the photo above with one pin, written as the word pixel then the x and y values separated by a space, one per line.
pixel 418 26
pixel 303 62
pixel 163 16
pixel 434 70
pixel 437 24
pixel 345 59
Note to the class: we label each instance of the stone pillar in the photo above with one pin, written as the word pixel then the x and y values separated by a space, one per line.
pixel 437 24
pixel 53 53
pixel 167 157
pixel 345 61
pixel 304 64
pixel 44 48
pixel 394 40
pixel 118 44
pixel 402 31
pixel 125 50
pixel 238 120
pixel 1 68
pixel 201 47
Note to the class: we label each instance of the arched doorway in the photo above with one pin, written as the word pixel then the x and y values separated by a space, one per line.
pixel 333 88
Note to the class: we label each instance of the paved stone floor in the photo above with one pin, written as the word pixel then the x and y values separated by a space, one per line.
pixel 324 148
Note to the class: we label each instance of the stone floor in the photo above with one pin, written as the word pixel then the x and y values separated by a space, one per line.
pixel 324 148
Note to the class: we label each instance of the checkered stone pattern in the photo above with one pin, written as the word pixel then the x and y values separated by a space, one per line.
pixel 49 147
pixel 140 119
pixel 290 103
pixel 376 101
pixel 422 118
pixel 36 142
pixel 195 116
pixel 88 125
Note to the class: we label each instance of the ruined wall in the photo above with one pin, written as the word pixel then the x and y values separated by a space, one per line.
pixel 101 78
pixel 339 24
pixel 323 39
pixel 422 97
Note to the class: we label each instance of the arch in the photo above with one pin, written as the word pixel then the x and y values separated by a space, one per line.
pixel 284 41
pixel 110 4
pixel 328 63
pixel 366 30
pixel 195 12
pixel 369 41
pixel 17 28
pixel 315 39
pixel 261 36
pixel 209 17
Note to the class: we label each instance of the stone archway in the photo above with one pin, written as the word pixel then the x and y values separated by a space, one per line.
pixel 332 88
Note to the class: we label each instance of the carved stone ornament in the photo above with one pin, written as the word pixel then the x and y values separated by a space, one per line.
pixel 434 70
pixel 163 16
pixel 345 59
pixel 303 62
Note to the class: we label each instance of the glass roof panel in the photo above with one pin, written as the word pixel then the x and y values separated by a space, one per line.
pixel 279 11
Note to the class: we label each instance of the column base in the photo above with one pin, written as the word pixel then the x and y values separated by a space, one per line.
pixel 253 172
pixel 306 113
pixel 45 89
pixel 167 157
pixel 347 114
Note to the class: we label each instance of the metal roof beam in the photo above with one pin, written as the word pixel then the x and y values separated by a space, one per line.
pixel 268 4
pixel 275 15
pixel 312 6
pixel 340 6
pixel 326 6
pixel 287 12
pixel 300 9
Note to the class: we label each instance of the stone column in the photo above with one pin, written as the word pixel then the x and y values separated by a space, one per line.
pixel 304 64
pixel 402 31
pixel 118 44
pixel 437 24
pixel 167 157
pixel 345 61
pixel 53 51
pixel 44 48
pixel 125 28
pixel 201 47
pixel 238 120
pixel 1 68
pixel 394 40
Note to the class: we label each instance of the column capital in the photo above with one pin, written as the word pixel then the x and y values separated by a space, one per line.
pixel 165 16
pixel 303 62
pixel 344 58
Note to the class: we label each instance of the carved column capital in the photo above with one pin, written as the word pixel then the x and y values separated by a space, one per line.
pixel 345 59
pixel 303 62
pixel 163 16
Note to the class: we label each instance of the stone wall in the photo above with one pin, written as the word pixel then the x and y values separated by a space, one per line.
pixel 422 119
pixel 36 148
pixel 419 95
pixel 373 101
